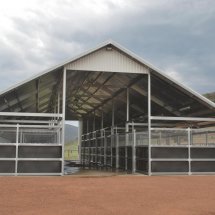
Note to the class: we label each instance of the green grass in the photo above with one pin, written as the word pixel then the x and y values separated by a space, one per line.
pixel 71 150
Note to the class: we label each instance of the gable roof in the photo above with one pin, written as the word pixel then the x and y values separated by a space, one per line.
pixel 132 55
pixel 115 61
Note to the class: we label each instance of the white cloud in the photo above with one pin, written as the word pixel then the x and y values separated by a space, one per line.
pixel 37 34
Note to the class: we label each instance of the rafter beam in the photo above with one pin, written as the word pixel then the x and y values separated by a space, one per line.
pixel 138 78
pixel 154 99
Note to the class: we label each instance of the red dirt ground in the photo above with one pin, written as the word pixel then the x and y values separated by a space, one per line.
pixel 108 195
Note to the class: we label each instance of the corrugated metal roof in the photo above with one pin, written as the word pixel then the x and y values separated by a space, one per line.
pixel 133 56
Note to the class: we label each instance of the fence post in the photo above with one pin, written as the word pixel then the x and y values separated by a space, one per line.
pixel 17 142
pixel 189 144
pixel 105 151
pixel 96 150
pixel 134 152
pixel 117 151
pixel 111 153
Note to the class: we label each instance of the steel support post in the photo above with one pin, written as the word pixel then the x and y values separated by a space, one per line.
pixel 127 105
pixel 134 152
pixel 80 132
pixel 102 141
pixel 102 121
pixel 149 123
pixel 63 117
pixel 94 140
pixel 112 132
pixel 127 128
pixel 17 148
pixel 58 104
pixel 189 145
pixel 86 144
pixel 105 150
pixel 117 151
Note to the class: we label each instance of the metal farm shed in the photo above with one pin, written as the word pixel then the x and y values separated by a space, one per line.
pixel 133 117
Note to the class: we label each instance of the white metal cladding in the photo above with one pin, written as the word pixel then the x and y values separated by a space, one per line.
pixel 107 61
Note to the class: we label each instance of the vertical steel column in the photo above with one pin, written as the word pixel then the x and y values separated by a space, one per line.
pixel 127 128
pixel 105 150
pixel 134 152
pixel 112 132
pixel 189 144
pixel 117 151
pixel 17 148
pixel 149 123
pixel 102 120
pixel 101 140
pixel 94 140
pixel 86 148
pixel 63 117
pixel 127 105
pixel 113 114
pixel 89 144
pixel 80 132
pixel 58 104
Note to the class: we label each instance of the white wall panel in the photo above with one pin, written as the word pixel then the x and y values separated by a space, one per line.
pixel 107 61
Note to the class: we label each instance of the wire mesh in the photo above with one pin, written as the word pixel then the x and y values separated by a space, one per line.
pixel 8 135
pixel 169 137
pixel 39 136
pixel 130 137
pixel 121 140
pixel 203 137
pixel 142 138
pixel 211 137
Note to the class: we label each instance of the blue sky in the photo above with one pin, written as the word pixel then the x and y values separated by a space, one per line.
pixel 175 35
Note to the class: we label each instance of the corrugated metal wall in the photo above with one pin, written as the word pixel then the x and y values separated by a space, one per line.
pixel 107 61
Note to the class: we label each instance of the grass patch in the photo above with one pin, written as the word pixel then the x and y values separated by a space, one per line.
pixel 71 150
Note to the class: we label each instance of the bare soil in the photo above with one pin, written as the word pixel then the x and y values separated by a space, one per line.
pixel 91 195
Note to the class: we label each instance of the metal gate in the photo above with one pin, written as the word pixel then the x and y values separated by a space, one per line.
pixel 31 150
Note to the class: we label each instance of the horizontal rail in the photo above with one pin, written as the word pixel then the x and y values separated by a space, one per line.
pixel 29 126
pixel 28 121
pixel 169 118
pixel 30 114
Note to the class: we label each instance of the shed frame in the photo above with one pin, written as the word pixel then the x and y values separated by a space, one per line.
pixel 117 97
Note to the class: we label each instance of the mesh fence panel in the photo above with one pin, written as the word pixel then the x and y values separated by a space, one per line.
pixel 7 135
pixel 169 137
pixel 211 137
pixel 121 140
pixel 202 137
pixel 142 138
pixel 198 137
pixel 130 137
pixel 38 136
